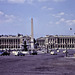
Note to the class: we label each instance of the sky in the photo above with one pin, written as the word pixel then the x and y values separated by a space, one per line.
pixel 50 17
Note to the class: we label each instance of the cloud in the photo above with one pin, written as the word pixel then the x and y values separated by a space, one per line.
pixel 47 8
pixel 59 0
pixel 44 7
pixel 70 22
pixel 62 13
pixel 51 0
pixel 5 18
pixel 62 20
pixel 16 1
pixel 66 21
pixel 2 0
pixel 30 1
pixel 42 0
pixel 1 13
pixel 59 14
pixel 50 8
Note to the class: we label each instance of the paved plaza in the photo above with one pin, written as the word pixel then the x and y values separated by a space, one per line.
pixel 43 64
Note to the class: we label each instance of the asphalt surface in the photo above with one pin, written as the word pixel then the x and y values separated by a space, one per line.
pixel 43 64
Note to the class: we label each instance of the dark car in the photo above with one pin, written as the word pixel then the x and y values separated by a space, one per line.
pixel 34 52
pixel 1 52
pixel 5 53
pixel 20 54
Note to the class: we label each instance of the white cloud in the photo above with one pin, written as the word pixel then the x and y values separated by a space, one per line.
pixel 44 7
pixel 54 15
pixel 62 20
pixel 47 8
pixel 9 16
pixel 50 8
pixel 6 18
pixel 21 1
pixel 1 13
pixel 42 0
pixel 70 22
pixel 66 21
pixel 2 0
pixel 51 0
pixel 59 14
pixel 31 1
pixel 16 1
pixel 57 22
pixel 58 0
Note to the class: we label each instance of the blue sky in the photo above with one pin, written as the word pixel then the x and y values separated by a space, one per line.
pixel 51 17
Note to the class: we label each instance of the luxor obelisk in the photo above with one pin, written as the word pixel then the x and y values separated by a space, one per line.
pixel 32 39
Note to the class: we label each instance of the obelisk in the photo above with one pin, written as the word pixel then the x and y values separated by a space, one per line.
pixel 32 39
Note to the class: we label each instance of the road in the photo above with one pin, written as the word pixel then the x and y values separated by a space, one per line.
pixel 43 64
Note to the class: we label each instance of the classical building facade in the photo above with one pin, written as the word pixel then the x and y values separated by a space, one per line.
pixel 41 41
pixel 10 42
pixel 14 42
pixel 57 42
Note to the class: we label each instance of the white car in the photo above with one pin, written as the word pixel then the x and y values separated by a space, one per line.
pixel 58 51
pixel 42 52
pixel 25 52
pixel 64 51
pixel 53 53
pixel 14 52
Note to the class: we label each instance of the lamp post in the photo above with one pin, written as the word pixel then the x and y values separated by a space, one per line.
pixel 47 48
pixel 9 47
pixel 66 49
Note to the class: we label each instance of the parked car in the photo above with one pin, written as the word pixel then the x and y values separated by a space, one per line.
pixel 1 52
pixel 20 54
pixel 14 53
pixel 5 53
pixel 64 51
pixel 25 52
pixel 33 52
pixel 41 51
pixel 53 53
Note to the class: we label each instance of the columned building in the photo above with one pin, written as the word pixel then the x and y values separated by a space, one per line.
pixel 57 42
pixel 41 41
pixel 10 42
